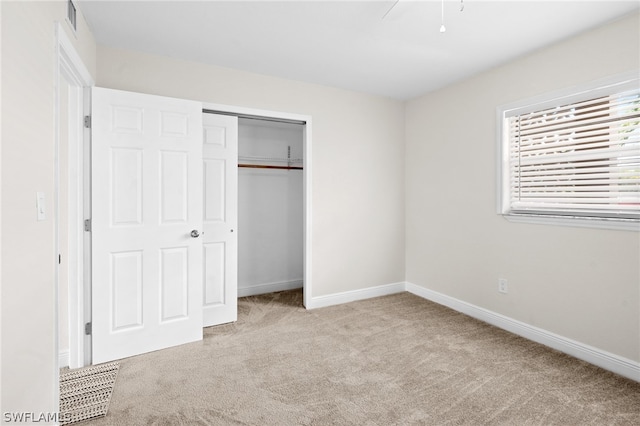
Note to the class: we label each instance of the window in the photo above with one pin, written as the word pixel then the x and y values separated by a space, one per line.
pixel 573 155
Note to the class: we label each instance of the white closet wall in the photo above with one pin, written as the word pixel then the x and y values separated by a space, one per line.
pixel 270 208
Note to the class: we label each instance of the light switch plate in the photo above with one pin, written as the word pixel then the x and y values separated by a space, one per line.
pixel 40 206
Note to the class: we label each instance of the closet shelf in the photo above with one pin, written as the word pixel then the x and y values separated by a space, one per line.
pixel 266 166
pixel 274 159
pixel 289 161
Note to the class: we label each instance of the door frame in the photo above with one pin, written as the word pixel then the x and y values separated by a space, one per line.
pixel 70 66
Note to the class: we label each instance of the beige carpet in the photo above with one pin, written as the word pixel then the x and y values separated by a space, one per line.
pixel 394 360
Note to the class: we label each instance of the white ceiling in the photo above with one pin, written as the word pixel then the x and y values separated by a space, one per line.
pixel 347 44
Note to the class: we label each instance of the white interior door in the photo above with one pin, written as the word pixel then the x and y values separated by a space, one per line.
pixel 146 201
pixel 220 157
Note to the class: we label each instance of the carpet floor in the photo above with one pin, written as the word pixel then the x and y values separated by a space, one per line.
pixel 393 360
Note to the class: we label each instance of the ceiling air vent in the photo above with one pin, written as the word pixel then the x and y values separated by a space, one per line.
pixel 71 14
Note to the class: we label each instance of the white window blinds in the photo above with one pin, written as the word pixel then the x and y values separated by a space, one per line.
pixel 578 159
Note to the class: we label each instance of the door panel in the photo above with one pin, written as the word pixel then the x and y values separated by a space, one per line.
pixel 174 187
pixel 214 271
pixel 214 191
pixel 126 288
pixel 220 162
pixel 146 198
pixel 174 283
pixel 126 184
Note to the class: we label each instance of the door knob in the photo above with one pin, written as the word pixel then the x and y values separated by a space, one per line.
pixel 195 233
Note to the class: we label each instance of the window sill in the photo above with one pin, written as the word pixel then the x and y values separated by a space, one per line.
pixel 612 224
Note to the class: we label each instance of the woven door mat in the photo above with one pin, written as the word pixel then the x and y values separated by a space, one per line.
pixel 85 393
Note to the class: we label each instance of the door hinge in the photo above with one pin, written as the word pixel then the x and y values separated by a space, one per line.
pixel 87 225
pixel 87 121
pixel 87 329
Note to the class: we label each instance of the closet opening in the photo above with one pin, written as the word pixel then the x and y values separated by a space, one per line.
pixel 271 208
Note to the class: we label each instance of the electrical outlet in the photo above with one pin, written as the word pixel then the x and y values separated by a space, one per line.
pixel 503 286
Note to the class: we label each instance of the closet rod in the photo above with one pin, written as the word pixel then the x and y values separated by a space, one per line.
pixel 254 117
pixel 262 166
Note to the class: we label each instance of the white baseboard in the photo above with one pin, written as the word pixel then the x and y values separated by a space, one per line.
pixel 353 295
pixel 269 288
pixel 622 366
pixel 63 359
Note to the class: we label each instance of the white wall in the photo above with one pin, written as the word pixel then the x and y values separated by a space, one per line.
pixel 579 283
pixel 357 156
pixel 270 209
pixel 28 306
